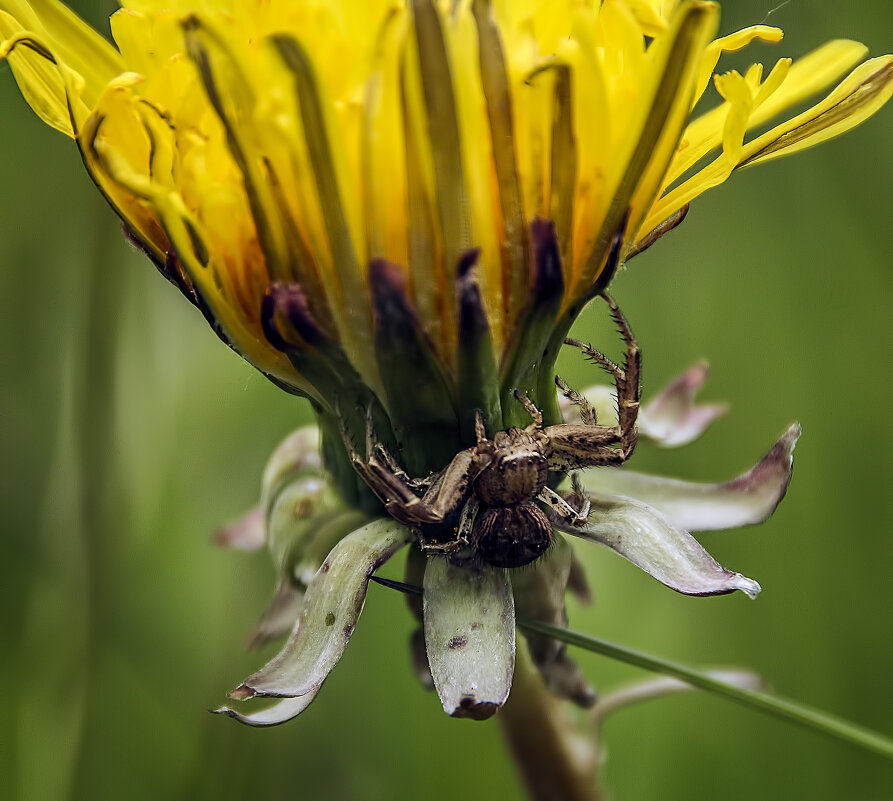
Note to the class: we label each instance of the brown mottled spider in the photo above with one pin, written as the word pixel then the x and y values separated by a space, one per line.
pixel 496 482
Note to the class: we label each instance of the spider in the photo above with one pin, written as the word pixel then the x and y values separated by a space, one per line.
pixel 497 482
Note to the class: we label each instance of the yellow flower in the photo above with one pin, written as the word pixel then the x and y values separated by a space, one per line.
pixel 320 178
pixel 398 208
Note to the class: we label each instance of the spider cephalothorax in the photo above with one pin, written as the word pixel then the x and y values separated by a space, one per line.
pixel 487 498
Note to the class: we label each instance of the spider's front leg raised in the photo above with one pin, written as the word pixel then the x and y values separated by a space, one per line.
pixel 589 444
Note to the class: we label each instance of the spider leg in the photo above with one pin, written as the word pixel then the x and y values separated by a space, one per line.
pixel 563 509
pixel 463 532
pixel 392 487
pixel 628 390
pixel 534 413
pixel 384 455
pixel 587 413
pixel 480 429
pixel 453 484
pixel 627 380
pixel 375 449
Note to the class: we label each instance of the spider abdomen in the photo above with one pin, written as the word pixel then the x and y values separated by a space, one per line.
pixel 511 536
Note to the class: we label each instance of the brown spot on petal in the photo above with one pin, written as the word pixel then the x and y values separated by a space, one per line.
pixel 303 508
pixel 470 707
pixel 348 630
pixel 459 641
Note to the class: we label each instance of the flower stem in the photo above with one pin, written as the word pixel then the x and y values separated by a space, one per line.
pixel 792 711
pixel 556 763
pixel 783 708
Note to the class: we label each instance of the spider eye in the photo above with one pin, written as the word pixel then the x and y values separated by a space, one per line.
pixel 512 536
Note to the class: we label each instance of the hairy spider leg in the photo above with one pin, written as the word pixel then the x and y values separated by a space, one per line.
pixel 453 484
pixel 628 388
pixel 535 414
pixel 396 495
pixel 397 491
pixel 587 412
pixel 575 446
pixel 384 455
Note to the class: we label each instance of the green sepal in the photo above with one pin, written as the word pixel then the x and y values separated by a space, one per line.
pixel 418 399
pixel 546 393
pixel 530 337
pixel 336 461
pixel 478 375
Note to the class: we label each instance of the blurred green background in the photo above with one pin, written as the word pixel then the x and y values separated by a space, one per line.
pixel 129 433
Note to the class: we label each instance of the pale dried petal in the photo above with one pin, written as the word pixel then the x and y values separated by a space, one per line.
pixel 296 455
pixel 282 711
pixel 744 501
pixel 673 418
pixel 245 534
pixel 646 538
pixel 280 615
pixel 332 605
pixel 470 636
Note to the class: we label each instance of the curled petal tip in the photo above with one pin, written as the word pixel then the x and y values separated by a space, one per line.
pixel 748 586
pixel 673 418
pixel 641 534
pixel 242 693
pixel 789 438
pixel 283 710
pixel 747 500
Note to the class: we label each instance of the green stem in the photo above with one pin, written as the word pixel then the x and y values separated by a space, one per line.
pixel 782 708
pixel 555 762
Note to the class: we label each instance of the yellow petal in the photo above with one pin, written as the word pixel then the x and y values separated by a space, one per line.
pixel 731 44
pixel 739 103
pixel 39 77
pixel 785 86
pixel 859 96
pixel 674 61
pixel 351 308
pixel 71 40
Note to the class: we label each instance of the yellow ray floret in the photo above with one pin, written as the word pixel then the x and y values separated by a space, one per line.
pixel 249 142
